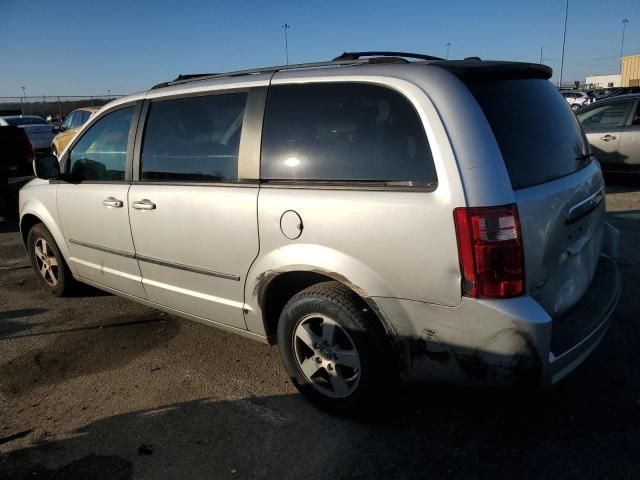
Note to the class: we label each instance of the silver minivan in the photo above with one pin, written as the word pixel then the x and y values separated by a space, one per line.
pixel 380 216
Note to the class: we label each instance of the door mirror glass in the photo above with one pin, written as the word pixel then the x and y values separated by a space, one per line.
pixel 46 167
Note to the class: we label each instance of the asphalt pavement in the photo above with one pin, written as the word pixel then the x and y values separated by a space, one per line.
pixel 99 387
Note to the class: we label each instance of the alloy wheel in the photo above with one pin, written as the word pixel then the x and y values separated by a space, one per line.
pixel 46 261
pixel 326 355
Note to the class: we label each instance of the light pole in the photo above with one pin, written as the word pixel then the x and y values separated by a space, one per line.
pixel 24 99
pixel 448 45
pixel 624 26
pixel 564 38
pixel 286 27
pixel 108 95
pixel 541 50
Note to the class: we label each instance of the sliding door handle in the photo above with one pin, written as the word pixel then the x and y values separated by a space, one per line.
pixel 112 202
pixel 144 205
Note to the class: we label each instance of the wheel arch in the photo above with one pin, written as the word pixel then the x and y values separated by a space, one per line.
pixel 271 283
pixel 33 213
pixel 284 285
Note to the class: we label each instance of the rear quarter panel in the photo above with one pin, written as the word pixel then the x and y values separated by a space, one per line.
pixel 381 243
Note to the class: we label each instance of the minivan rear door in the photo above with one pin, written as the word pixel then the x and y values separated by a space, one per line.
pixel 559 189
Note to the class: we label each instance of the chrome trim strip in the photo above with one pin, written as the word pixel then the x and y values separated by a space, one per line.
pixel 103 249
pixel 188 268
pixel 157 261
pixel 586 206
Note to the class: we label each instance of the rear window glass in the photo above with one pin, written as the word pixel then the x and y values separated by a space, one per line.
pixel 194 139
pixel 538 134
pixel 344 132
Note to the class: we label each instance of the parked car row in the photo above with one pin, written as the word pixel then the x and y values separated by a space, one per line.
pixel 578 99
pixel 43 135
pixel 22 138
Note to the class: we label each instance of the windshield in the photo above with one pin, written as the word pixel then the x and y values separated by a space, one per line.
pixel 538 134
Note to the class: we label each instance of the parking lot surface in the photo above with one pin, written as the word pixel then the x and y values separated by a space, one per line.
pixel 99 387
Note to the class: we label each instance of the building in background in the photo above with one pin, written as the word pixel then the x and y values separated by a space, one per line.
pixel 630 71
pixel 603 81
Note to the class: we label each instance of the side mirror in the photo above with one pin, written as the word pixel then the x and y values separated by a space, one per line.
pixel 46 167
pixel 56 129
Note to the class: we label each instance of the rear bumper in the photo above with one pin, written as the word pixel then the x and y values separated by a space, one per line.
pixel 577 332
pixel 501 342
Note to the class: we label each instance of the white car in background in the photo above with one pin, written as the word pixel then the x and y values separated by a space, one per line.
pixel 577 100
pixel 38 130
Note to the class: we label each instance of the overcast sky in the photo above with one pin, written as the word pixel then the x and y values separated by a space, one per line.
pixel 88 47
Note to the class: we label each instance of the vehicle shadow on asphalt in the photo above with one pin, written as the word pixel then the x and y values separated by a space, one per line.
pixel 621 182
pixel 10 326
pixel 8 226
pixel 578 428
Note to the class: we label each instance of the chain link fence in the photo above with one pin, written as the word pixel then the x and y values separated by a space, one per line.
pixel 54 108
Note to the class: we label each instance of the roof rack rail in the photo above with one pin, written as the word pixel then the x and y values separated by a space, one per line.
pixel 195 77
pixel 359 55
pixel 347 58
pixel 181 77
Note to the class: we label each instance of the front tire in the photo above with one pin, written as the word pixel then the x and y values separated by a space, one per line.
pixel 48 263
pixel 333 348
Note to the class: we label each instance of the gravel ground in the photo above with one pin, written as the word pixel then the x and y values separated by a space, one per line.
pixel 99 387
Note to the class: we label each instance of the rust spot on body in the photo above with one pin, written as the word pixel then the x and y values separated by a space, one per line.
pixel 262 282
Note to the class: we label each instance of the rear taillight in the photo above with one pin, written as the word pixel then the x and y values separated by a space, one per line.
pixel 490 251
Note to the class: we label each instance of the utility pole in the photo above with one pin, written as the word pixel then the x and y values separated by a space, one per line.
pixel 286 27
pixel 624 26
pixel 564 38
pixel 448 45
pixel 541 50
pixel 23 100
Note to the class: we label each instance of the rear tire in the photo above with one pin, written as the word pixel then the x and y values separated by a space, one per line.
pixel 334 349
pixel 48 263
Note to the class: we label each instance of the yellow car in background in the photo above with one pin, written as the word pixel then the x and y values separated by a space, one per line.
pixel 70 127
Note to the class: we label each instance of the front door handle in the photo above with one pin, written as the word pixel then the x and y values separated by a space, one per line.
pixel 608 138
pixel 112 202
pixel 144 205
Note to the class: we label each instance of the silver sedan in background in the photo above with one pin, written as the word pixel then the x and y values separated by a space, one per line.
pixel 38 130
pixel 577 100
pixel 613 130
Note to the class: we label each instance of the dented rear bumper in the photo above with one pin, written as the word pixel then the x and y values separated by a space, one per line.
pixel 577 332
pixel 502 342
